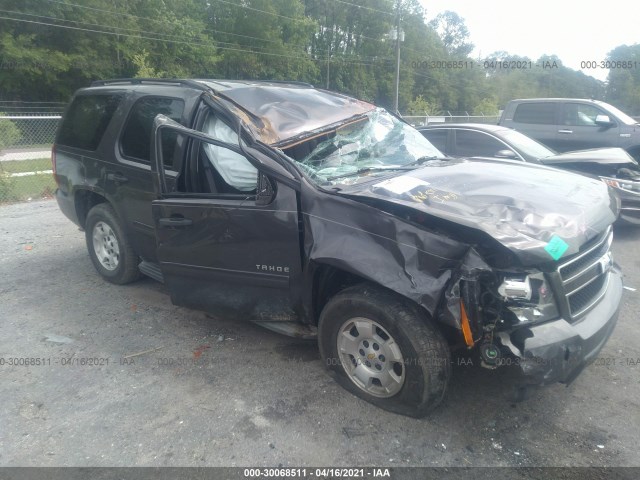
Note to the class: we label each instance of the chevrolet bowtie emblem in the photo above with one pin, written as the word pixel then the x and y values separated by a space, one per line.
pixel 606 262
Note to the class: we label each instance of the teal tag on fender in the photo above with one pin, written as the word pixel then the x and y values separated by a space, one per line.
pixel 556 247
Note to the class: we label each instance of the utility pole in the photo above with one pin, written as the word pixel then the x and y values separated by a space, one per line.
pixel 395 102
pixel 328 61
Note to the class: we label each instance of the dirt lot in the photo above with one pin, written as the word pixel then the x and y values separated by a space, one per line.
pixel 167 386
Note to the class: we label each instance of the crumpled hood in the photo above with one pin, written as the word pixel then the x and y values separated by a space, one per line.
pixel 540 214
pixel 603 156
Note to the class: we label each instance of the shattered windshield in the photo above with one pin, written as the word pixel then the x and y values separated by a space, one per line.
pixel 374 144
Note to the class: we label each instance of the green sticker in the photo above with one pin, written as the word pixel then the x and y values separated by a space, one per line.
pixel 556 247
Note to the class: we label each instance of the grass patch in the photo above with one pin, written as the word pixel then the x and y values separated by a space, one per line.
pixel 31 165
pixel 17 189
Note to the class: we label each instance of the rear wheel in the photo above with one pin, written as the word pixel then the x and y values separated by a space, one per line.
pixel 109 248
pixel 383 349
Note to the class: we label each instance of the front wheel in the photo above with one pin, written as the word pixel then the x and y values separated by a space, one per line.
pixel 109 248
pixel 383 349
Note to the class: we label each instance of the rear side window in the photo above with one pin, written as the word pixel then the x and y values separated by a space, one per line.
pixel 540 113
pixel 136 138
pixel 87 119
pixel 477 144
pixel 438 138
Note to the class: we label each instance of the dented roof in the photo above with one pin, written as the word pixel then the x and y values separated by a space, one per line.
pixel 277 112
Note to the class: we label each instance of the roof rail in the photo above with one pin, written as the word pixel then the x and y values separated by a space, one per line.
pixel 242 80
pixel 288 82
pixel 149 81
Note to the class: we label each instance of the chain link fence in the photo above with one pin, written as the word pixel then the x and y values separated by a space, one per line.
pixel 426 119
pixel 25 153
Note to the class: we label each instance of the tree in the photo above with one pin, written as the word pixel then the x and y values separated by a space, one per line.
pixel 345 45
pixel 623 89
pixel 420 106
pixel 453 32
pixel 486 106
pixel 512 76
pixel 74 44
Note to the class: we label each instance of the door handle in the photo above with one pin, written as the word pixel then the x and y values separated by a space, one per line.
pixel 176 222
pixel 565 131
pixel 117 177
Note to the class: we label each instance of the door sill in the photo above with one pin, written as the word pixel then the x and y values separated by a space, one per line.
pixel 292 329
pixel 152 270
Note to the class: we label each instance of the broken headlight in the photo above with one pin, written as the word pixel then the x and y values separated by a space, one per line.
pixel 526 298
pixel 516 288
pixel 621 184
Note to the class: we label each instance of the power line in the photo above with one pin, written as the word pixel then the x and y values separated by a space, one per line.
pixel 317 57
pixel 296 19
pixel 158 34
pixel 261 11
pixel 112 12
pixel 362 6
pixel 214 30
pixel 108 26
pixel 440 81
pixel 146 37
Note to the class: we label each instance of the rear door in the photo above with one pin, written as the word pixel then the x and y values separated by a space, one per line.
pixel 228 237
pixel 538 120
pixel 439 138
pixel 127 177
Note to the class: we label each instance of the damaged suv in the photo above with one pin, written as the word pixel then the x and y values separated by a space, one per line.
pixel 317 215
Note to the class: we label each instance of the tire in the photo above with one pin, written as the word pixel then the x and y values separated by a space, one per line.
pixel 410 376
pixel 109 248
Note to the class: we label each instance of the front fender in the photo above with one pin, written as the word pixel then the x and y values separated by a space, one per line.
pixel 380 247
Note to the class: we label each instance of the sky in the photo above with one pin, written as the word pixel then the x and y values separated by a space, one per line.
pixel 575 31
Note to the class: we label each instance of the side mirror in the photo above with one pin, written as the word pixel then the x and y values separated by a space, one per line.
pixel 264 191
pixel 508 154
pixel 604 121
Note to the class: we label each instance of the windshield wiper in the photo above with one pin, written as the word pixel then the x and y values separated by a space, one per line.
pixel 424 159
pixel 365 170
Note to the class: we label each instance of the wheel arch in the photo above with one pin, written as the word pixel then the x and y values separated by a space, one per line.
pixel 329 280
pixel 84 201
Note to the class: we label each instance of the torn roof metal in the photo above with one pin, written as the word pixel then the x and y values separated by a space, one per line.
pixel 278 112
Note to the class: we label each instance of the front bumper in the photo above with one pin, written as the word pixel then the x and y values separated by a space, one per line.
pixel 557 351
pixel 630 214
pixel 629 208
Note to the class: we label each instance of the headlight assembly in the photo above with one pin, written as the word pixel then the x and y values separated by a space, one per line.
pixel 528 298
pixel 620 184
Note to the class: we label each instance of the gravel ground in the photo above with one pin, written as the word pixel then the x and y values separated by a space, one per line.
pixel 175 387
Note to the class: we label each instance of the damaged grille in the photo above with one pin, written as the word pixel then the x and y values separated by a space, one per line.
pixel 585 277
